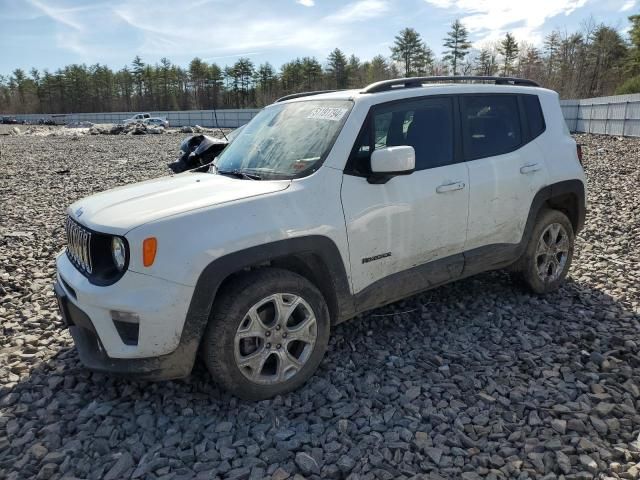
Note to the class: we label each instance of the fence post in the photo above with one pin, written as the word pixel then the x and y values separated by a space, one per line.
pixel 606 120
pixel 624 119
pixel 590 118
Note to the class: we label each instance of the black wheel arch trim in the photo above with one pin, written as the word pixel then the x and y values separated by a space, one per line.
pixel 557 190
pixel 214 274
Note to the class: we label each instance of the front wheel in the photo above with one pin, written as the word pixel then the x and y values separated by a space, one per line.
pixel 267 335
pixel 548 256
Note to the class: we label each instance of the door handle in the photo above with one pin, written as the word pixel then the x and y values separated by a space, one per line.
pixel 530 168
pixel 450 187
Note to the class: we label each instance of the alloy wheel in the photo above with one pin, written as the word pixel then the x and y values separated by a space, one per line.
pixel 275 338
pixel 552 253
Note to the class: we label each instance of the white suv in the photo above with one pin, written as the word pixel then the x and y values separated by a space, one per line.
pixel 326 205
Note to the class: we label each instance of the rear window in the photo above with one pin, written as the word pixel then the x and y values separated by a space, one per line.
pixel 534 115
pixel 490 125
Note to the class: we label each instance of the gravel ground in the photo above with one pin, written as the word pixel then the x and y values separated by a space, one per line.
pixel 477 379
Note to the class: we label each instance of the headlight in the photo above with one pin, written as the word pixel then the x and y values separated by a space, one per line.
pixel 118 252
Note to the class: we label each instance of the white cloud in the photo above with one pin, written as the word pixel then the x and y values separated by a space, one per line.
pixel 628 5
pixel 57 14
pixel 306 3
pixel 359 11
pixel 488 20
pixel 245 28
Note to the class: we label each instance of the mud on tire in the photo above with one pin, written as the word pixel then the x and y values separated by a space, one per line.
pixel 267 333
pixel 547 258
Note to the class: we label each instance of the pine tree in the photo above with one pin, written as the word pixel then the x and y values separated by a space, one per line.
pixel 337 68
pixel 508 48
pixel 412 52
pixel 311 72
pixel 456 45
pixel 632 64
pixel 378 69
pixel 138 73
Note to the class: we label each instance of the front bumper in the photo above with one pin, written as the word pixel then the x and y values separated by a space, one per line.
pixel 161 351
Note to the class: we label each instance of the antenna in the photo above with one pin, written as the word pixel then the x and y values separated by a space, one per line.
pixel 210 83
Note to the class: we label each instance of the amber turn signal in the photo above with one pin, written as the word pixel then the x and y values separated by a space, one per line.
pixel 149 248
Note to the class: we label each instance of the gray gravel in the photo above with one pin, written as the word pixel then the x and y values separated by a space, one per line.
pixel 474 380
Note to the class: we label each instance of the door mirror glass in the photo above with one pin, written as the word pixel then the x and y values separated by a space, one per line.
pixel 390 161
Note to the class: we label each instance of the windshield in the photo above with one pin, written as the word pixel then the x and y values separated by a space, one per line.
pixel 286 140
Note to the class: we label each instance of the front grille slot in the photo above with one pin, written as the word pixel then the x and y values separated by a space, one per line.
pixel 79 246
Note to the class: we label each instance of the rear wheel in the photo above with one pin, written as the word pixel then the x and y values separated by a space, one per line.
pixel 548 256
pixel 268 333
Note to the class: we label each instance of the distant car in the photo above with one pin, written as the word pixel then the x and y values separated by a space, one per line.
pixel 139 117
pixel 46 121
pixel 10 121
pixel 156 122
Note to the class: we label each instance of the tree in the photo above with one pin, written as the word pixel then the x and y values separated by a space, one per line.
pixel 411 52
pixel 264 79
pixel 551 49
pixel 605 57
pixel 529 62
pixel 138 72
pixel 508 48
pixel 487 62
pixel 337 69
pixel 456 45
pixel 378 69
pixel 291 76
pixel 311 73
pixel 632 63
pixel 355 72
pixel 593 61
pixel 242 73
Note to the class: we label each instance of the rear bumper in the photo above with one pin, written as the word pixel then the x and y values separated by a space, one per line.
pixel 94 356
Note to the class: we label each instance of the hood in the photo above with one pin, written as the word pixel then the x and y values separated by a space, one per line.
pixel 119 210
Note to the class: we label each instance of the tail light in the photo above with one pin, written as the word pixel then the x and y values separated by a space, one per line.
pixel 579 152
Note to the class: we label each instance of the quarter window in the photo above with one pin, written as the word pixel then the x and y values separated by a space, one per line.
pixel 490 125
pixel 533 112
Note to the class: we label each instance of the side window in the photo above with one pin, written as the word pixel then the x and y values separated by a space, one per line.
pixel 426 125
pixel 534 115
pixel 490 125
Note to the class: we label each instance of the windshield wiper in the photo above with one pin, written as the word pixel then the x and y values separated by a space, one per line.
pixel 239 174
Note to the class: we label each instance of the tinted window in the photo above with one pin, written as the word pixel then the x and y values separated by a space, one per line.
pixel 426 125
pixel 533 112
pixel 490 125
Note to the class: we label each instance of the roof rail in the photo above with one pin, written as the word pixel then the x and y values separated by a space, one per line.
pixel 412 82
pixel 302 94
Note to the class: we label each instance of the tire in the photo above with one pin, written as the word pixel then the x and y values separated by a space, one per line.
pixel 261 364
pixel 544 267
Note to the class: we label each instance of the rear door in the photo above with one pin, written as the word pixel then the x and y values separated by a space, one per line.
pixel 396 227
pixel 506 168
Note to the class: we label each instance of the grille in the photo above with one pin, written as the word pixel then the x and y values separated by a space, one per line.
pixel 79 246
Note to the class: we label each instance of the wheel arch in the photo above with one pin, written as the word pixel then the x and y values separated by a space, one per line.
pixel 567 196
pixel 315 257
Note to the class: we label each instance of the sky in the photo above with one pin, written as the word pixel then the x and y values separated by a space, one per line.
pixel 48 34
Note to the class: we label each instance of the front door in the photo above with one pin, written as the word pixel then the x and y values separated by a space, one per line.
pixel 398 229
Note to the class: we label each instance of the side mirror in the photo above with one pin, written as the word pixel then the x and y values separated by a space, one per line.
pixel 388 162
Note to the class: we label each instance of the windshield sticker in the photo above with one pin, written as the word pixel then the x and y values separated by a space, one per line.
pixel 327 113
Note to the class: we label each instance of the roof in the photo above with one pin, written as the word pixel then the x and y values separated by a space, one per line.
pixel 421 86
